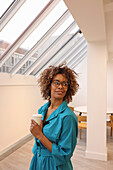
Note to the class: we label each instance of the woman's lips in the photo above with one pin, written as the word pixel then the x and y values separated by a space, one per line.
pixel 60 92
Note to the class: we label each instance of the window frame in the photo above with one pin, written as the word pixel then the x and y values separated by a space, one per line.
pixel 10 12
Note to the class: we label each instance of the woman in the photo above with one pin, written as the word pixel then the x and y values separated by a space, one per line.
pixel 56 137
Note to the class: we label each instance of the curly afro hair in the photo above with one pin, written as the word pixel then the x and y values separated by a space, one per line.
pixel 47 76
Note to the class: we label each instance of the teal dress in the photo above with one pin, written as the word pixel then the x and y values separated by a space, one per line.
pixel 61 128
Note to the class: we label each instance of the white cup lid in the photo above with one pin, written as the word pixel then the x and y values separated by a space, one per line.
pixel 39 115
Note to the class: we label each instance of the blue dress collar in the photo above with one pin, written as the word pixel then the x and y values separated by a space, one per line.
pixel 60 109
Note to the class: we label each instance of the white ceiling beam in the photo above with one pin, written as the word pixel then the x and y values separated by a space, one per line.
pixel 46 54
pixel 10 12
pixel 40 17
pixel 40 43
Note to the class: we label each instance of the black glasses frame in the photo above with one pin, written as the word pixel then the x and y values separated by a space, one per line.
pixel 57 83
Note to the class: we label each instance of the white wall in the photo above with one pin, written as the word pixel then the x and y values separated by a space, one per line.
pixel 96 100
pixel 110 84
pixel 81 97
pixel 18 101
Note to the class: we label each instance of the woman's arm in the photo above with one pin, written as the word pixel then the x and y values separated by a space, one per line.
pixel 36 131
pixel 63 150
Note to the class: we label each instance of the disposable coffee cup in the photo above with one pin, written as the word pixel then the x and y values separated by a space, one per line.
pixel 37 118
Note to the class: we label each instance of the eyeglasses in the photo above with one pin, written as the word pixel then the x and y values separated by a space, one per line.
pixel 57 83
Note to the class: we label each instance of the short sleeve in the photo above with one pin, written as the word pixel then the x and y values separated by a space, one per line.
pixel 63 150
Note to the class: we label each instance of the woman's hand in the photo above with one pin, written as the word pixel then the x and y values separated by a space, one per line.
pixel 35 129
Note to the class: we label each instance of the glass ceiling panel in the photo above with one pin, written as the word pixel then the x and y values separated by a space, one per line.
pixel 53 51
pixel 64 54
pixel 43 52
pixel 59 31
pixel 18 23
pixel 49 42
pixel 37 34
pixel 4 4
pixel 60 53
pixel 44 26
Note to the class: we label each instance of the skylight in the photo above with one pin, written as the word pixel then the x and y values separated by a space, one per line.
pixel 45 26
pixel 34 34
pixel 25 15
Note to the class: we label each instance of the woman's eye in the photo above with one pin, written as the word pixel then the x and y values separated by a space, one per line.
pixel 64 84
pixel 57 83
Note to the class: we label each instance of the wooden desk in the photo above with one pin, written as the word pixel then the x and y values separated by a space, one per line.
pixel 83 110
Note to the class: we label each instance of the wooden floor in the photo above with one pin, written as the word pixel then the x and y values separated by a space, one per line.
pixel 20 159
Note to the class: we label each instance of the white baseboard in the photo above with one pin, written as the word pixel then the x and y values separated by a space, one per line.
pixel 96 155
pixel 15 146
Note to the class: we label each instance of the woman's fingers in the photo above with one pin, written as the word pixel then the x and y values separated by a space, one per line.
pixel 33 124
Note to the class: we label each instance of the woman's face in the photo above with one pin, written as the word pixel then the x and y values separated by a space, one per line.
pixel 59 86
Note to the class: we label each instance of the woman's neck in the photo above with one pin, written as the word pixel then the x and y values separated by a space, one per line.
pixel 55 103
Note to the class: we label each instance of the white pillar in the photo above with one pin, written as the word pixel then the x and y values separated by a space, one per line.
pixel 96 100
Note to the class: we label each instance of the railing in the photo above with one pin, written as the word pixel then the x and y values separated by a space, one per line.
pixel 13 60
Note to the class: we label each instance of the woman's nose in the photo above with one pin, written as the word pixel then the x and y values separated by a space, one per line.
pixel 60 86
